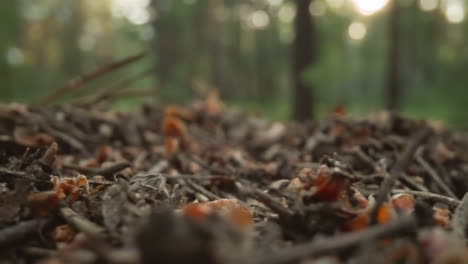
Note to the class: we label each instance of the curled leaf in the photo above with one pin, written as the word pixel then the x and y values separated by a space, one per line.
pixel 328 186
pixel 34 141
pixel 228 208
pixel 403 202
pixel 362 221
pixel 42 203
pixel 172 145
pixel 174 127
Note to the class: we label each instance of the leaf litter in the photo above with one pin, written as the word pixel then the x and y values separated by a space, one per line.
pixel 204 183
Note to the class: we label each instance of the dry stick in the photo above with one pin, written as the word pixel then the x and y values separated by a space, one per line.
pixel 271 203
pixel 107 172
pixel 200 189
pixel 80 223
pixel 368 160
pixel 196 177
pixel 50 155
pixel 207 167
pixel 19 174
pixel 71 141
pixel 337 243
pixel 433 174
pixel 107 92
pixel 399 167
pixel 79 81
pixel 409 182
pixel 432 197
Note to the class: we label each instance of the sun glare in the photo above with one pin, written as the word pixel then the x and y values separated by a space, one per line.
pixel 428 5
pixel 369 7
pixel 357 31
pixel 136 11
pixel 455 11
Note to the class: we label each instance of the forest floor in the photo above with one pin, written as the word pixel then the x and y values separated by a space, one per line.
pixel 202 183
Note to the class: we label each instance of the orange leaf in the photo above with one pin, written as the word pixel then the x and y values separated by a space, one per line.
pixel 228 208
pixel 384 216
pixel 339 110
pixel 442 217
pixel 37 140
pixel 104 152
pixel 174 127
pixel 42 203
pixel 403 202
pixel 329 187
pixel 172 145
pixel 196 211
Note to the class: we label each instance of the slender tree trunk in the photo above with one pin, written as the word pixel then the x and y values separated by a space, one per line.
pixel 304 55
pixel 394 91
pixel 216 43
pixel 72 64
pixel 10 35
pixel 166 43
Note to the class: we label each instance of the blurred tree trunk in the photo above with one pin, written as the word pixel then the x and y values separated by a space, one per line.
pixel 72 64
pixel 10 36
pixel 393 85
pixel 236 56
pixel 166 42
pixel 215 25
pixel 304 55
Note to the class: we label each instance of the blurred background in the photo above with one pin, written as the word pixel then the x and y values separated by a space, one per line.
pixel 287 59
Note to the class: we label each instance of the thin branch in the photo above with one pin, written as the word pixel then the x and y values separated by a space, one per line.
pixel 270 202
pixel 433 174
pixel 109 91
pixel 432 197
pixel 400 166
pixel 77 82
pixel 71 141
pixel 338 243
pixel 107 172
pixel 81 223
pixel 200 189
pixel 19 174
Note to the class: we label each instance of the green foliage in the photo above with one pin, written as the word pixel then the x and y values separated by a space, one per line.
pixel 224 44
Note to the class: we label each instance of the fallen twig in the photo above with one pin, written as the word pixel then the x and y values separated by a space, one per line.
pixel 341 242
pixel 19 174
pixel 399 167
pixel 109 91
pixel 432 197
pixel 80 223
pixel 271 203
pixel 433 173
pixel 200 189
pixel 79 81
pixel 107 172
pixel 71 141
